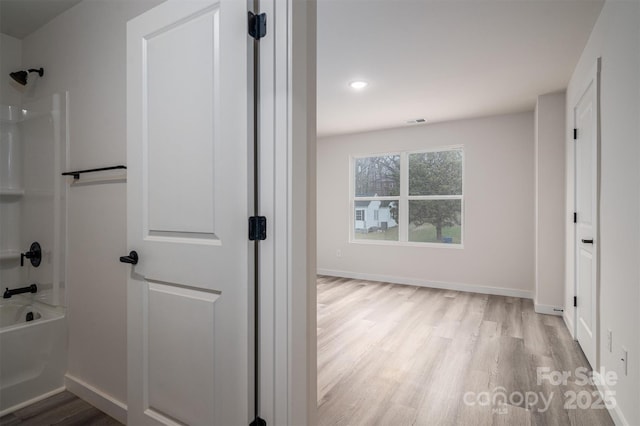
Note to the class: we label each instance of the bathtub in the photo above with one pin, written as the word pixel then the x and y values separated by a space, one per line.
pixel 32 352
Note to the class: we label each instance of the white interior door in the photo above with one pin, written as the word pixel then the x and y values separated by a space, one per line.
pixel 586 187
pixel 188 198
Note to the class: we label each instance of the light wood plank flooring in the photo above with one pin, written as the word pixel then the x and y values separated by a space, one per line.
pixel 397 355
pixel 63 409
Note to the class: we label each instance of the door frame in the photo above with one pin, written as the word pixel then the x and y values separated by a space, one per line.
pixel 593 77
pixel 287 182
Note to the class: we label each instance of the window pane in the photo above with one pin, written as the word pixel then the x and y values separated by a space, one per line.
pixel 376 220
pixel 377 176
pixel 435 221
pixel 435 173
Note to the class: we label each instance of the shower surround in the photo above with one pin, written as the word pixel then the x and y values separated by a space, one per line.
pixel 33 154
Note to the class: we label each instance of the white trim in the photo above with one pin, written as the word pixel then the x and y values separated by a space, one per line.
pixel 287 199
pixel 31 401
pixel 536 207
pixel 273 399
pixel 407 244
pixel 381 154
pixel 548 309
pixel 301 165
pixel 97 398
pixel 471 288
pixel 615 412
pixel 433 197
pixel 569 323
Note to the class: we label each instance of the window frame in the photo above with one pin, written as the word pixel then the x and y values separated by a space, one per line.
pixel 403 199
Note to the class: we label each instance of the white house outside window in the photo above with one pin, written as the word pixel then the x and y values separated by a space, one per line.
pixel 409 197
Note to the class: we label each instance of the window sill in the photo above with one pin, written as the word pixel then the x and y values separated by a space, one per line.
pixel 408 244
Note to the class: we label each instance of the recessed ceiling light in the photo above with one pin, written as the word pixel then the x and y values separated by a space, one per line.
pixel 358 85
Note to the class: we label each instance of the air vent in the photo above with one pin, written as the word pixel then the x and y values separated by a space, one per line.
pixel 417 121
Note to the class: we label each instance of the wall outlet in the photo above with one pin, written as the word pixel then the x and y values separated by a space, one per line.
pixel 338 253
pixel 610 340
pixel 624 358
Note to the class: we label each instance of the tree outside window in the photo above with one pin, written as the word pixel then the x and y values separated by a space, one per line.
pixel 423 205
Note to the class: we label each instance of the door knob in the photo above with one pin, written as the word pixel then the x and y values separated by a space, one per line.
pixel 587 241
pixel 132 258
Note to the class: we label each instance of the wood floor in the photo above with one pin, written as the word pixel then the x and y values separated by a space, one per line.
pixel 63 409
pixel 401 355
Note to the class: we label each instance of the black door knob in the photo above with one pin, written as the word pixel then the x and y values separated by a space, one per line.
pixel 587 241
pixel 132 258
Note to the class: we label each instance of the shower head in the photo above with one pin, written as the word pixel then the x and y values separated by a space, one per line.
pixel 21 76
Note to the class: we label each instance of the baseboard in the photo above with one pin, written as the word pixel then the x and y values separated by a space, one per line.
pixel 31 401
pixel 615 412
pixel 97 398
pixel 498 291
pixel 548 309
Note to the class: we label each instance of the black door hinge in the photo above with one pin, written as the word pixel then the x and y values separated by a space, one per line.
pixel 257 228
pixel 575 300
pixel 575 134
pixel 258 422
pixel 257 25
pixel 575 217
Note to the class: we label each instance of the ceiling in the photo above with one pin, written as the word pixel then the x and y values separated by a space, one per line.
pixel 435 59
pixel 19 18
pixel 443 60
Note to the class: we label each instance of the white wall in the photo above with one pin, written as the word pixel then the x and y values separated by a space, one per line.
pixel 616 39
pixel 550 196
pixel 10 61
pixel 84 51
pixel 498 254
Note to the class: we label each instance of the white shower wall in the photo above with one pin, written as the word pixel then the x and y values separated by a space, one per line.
pixel 33 154
pixel 11 196
pixel 33 146
pixel 44 147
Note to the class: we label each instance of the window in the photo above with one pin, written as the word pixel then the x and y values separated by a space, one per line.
pixel 376 187
pixel 410 197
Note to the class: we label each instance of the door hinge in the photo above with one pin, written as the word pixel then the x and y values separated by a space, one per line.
pixel 575 301
pixel 257 228
pixel 575 217
pixel 575 134
pixel 257 25
pixel 258 422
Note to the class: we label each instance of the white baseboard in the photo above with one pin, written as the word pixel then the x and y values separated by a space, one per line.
pixel 31 401
pixel 548 309
pixel 615 412
pixel 97 398
pixel 498 291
